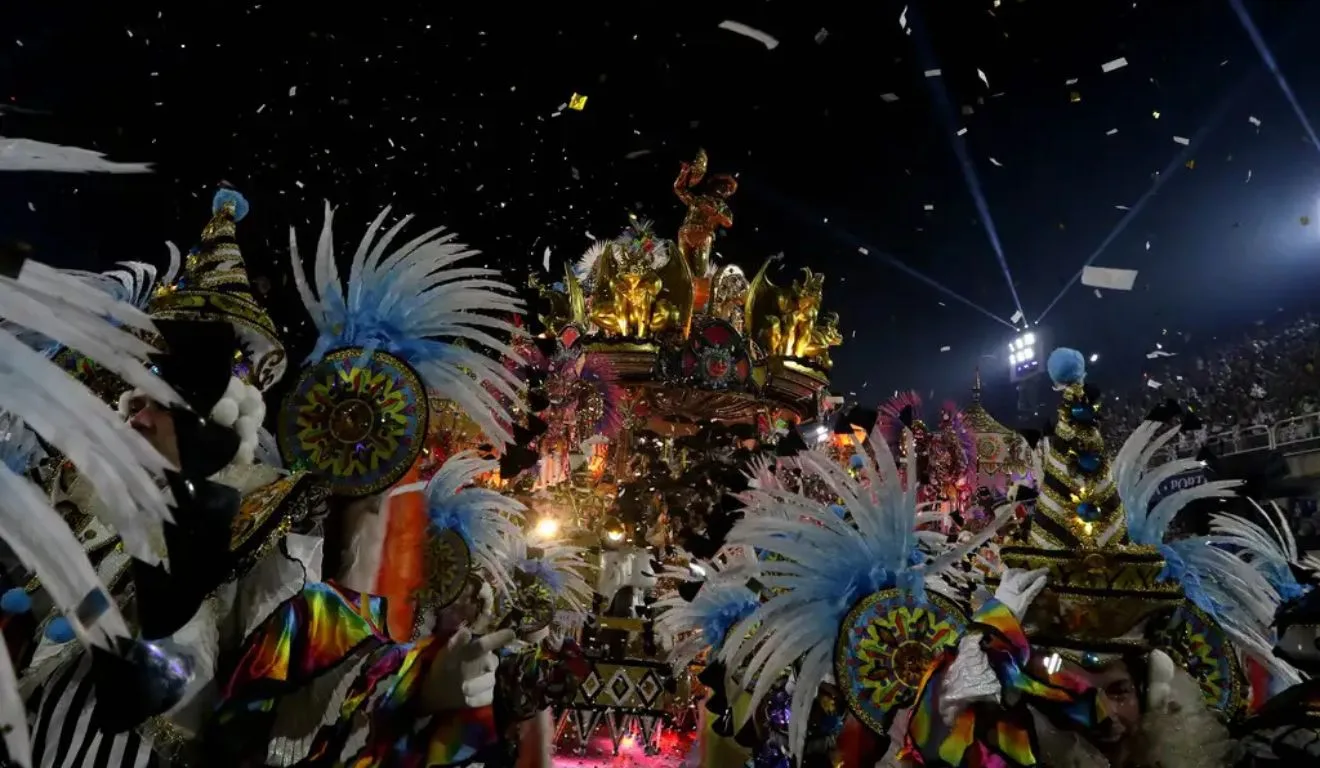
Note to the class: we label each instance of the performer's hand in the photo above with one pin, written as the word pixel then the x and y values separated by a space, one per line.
pixel 1018 589
pixel 465 677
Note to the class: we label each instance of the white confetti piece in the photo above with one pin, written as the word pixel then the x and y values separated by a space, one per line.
pixel 1070 81
pixel 1098 294
pixel 889 97
pixel 637 153
pixel 590 236
pixel 1183 140
pixel 1109 278
pixel 1155 114
pixel 1017 316
pixel 945 349
pixel 1159 353
pixel 1248 176
pixel 1153 384
pixel 996 163
pixel 962 131
pixel 293 90
pixel 1111 131
pixel 1148 245
pixel 1254 120
pixel 863 251
pixel 32 207
pixel 822 35
pixel 929 206
pixel 1110 66
pixel 545 259
pixel 981 75
pixel 933 73
pixel 742 29
pixel 902 18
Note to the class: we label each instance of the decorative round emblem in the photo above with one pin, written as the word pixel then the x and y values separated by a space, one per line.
pixel 1198 645
pixel 448 563
pixel 357 419
pixel 886 643
pixel 716 355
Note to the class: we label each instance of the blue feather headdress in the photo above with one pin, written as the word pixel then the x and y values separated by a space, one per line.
pixel 820 565
pixel 489 522
pixel 417 305
pixel 1236 574
pixel 703 622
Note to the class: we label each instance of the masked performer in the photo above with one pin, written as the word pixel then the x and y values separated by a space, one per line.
pixel 120 463
pixel 1105 644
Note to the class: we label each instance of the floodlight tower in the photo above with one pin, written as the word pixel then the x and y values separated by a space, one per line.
pixel 1026 362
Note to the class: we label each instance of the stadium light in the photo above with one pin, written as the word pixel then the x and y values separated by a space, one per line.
pixel 1024 357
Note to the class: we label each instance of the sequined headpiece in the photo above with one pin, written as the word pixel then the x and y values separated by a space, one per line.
pixel 213 285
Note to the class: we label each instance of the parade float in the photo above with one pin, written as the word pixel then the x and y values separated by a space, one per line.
pixel 1002 455
pixel 656 366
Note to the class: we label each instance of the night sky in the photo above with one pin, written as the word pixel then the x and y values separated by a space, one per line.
pixel 461 120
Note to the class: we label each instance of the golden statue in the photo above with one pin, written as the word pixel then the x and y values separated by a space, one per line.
pixel 567 306
pixel 626 290
pixel 706 198
pixel 826 334
pixel 729 294
pixel 783 320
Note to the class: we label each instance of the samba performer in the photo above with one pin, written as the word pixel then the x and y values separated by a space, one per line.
pixel 37 397
pixel 331 678
pixel 852 585
pixel 234 548
pixel 1105 644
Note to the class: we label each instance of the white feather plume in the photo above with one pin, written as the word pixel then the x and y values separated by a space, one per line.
pixel 489 522
pixel 562 568
pixel 415 304
pixel 825 565
pixel 723 601
pixel 32 155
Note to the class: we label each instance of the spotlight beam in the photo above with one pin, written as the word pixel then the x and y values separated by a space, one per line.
pixel 1267 57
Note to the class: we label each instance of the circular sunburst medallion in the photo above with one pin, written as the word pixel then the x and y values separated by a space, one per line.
pixel 1197 644
pixel 886 643
pixel 536 608
pixel 448 563
pixel 357 419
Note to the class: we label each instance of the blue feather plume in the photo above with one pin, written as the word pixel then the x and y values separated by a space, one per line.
pixel 489 522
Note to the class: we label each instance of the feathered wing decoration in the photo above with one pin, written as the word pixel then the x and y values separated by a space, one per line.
pixel 722 601
pixel 417 305
pixel 1232 587
pixel 823 564
pixel 760 472
pixel 897 414
pixel 30 155
pixel 562 569
pixel 119 463
pixel 489 522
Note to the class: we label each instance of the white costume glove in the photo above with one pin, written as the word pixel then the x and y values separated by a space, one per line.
pixel 970 678
pixel 465 677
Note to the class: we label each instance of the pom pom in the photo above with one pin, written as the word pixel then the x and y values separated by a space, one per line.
pixel 225 197
pixel 124 400
pixel 856 461
pixel 1066 366
pixel 225 412
pixel 59 630
pixel 15 601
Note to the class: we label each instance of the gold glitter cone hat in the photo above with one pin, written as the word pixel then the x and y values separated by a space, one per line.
pixel 213 285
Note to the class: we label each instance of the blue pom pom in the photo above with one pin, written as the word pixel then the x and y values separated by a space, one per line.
pixel 856 461
pixel 225 196
pixel 59 630
pixel 839 510
pixel 15 600
pixel 1066 366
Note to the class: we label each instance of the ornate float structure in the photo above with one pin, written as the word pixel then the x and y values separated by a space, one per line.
pixel 1002 455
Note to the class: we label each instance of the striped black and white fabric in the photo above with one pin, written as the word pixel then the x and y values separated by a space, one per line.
pixel 60 721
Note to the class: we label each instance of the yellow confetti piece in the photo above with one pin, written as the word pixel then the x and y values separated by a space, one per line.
pixel 1075 97
pixel 577 102
pixel 1191 164
pixel 1156 114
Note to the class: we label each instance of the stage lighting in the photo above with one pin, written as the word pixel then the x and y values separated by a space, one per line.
pixel 1024 357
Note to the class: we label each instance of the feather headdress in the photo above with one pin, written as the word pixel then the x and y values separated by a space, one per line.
pixel 703 622
pixel 489 522
pixel 415 304
pixel 820 565
pixel 562 570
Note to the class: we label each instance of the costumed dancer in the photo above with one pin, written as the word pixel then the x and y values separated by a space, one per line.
pixel 234 548
pixel 329 679
pixel 36 395
pixel 854 605
pixel 1105 644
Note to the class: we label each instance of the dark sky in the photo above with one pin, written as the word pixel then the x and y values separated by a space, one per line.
pixel 459 121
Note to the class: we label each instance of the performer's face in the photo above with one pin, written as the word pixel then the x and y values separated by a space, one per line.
pixel 153 422
pixel 1122 702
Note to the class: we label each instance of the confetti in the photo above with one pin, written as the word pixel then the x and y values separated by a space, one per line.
pixel 889 97
pixel 1153 384
pixel 933 73
pixel 1017 316
pixel 293 90
pixel 981 75
pixel 1122 208
pixel 929 206
pixel 1156 114
pixel 996 163
pixel 1110 66
pixel 1248 176
pixel 1186 142
pixel 545 259
pixel 1254 120
pixel 742 29
pixel 1110 278
pixel 1074 97
pixel 945 349
pixel 1111 131
pixel 1098 294
pixel 961 131
pixel 577 102
pixel 821 35
pixel 902 19
pixel 1070 81
pixel 863 251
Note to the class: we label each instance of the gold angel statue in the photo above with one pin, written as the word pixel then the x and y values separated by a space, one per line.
pixel 567 303
pixel 626 290
pixel 784 319
pixel 706 198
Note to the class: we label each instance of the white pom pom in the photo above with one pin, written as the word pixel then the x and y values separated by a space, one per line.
pixel 225 412
pixel 1159 680
pixel 124 400
pixel 247 453
pixel 234 389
